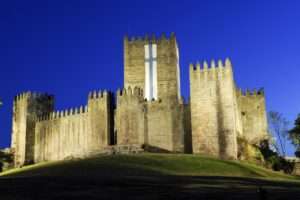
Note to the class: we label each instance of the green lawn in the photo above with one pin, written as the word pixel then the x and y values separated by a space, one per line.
pixel 147 176
pixel 143 164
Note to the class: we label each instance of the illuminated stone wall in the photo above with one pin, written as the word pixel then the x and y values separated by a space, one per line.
pixel 215 123
pixel 76 132
pixel 209 123
pixel 254 117
pixel 27 108
pixel 130 117
pixel 168 73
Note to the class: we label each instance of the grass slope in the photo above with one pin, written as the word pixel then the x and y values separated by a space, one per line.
pixel 148 164
pixel 147 177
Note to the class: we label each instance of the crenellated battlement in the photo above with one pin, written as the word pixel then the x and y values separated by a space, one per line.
pixel 98 94
pixel 158 101
pixel 22 95
pixel 213 96
pixel 27 108
pixel 154 102
pixel 138 92
pixel 209 123
pixel 29 94
pixel 213 67
pixel 64 113
pixel 252 108
pixel 250 93
pixel 142 40
pixel 164 58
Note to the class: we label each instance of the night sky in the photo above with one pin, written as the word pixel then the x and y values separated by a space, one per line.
pixel 68 48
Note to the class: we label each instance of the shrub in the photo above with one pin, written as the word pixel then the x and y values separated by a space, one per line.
pixel 275 161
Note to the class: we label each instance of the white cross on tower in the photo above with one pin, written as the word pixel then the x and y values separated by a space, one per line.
pixel 150 71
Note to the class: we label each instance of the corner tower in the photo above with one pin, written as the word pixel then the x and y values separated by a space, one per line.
pixel 215 124
pixel 252 108
pixel 26 109
pixel 153 65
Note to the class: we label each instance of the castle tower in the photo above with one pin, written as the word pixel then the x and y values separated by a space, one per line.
pixel 215 124
pixel 100 117
pixel 130 118
pixel 153 65
pixel 26 109
pixel 252 108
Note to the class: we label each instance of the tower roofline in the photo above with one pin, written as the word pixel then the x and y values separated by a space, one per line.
pixel 150 37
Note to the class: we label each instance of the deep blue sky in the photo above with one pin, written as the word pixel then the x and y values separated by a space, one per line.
pixel 68 48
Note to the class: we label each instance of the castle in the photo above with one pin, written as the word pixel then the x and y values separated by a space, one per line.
pixel 149 113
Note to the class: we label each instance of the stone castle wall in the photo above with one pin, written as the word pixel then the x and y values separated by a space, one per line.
pixel 168 84
pixel 188 146
pixel 213 110
pixel 101 116
pixel 216 114
pixel 27 108
pixel 148 123
pixel 165 128
pixel 130 117
pixel 62 134
pixel 134 62
pixel 163 117
pixel 75 132
pixel 253 114
pixel 168 68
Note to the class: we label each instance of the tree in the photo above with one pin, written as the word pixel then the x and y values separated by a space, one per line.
pixel 278 126
pixel 294 135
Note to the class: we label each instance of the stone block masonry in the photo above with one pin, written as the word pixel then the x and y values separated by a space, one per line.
pixel 157 59
pixel 76 132
pixel 130 117
pixel 213 110
pixel 42 134
pixel 149 113
pixel 253 114
pixel 62 134
pixel 167 61
pixel 27 107
pixel 165 128
pixel 154 124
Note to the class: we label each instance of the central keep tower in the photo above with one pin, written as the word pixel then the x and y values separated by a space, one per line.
pixel 153 65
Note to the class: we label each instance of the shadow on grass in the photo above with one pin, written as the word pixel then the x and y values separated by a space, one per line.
pixel 135 177
pixel 143 187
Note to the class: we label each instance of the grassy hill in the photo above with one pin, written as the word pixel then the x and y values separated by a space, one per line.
pixel 146 175
pixel 143 164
